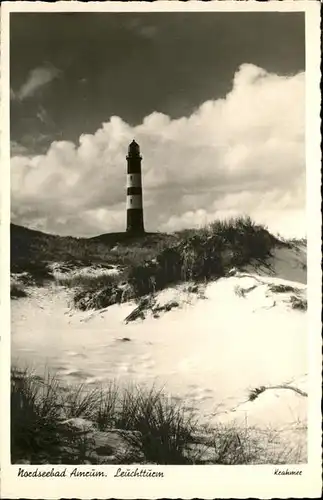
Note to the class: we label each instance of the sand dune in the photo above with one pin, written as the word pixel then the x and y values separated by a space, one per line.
pixel 209 352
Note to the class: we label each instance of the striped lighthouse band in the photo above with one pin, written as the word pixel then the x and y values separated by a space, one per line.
pixel 134 180
pixel 134 201
pixel 134 191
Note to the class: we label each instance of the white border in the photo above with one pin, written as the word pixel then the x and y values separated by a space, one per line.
pixel 179 481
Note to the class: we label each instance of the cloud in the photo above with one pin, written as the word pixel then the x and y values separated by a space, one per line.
pixel 241 154
pixel 17 149
pixel 37 78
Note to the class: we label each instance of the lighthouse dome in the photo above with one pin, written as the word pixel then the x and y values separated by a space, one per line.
pixel 134 149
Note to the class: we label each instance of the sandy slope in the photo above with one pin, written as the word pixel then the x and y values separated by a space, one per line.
pixel 209 352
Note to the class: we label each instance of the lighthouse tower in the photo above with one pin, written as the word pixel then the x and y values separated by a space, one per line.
pixel 135 214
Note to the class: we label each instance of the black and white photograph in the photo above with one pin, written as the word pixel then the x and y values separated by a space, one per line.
pixel 158 241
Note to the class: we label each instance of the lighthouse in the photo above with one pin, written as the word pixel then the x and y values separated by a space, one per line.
pixel 135 214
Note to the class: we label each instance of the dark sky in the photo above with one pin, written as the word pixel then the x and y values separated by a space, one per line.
pixel 131 64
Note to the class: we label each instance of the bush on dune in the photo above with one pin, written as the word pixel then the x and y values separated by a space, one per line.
pixel 164 270
pixel 194 255
pixel 102 291
pixel 203 254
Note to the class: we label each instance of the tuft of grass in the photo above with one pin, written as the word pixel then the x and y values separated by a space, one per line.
pixel 35 411
pixel 254 393
pixel 239 291
pixel 88 282
pixel 298 303
pixel 165 426
pixel 79 402
pixel 246 445
pixel 38 406
pixel 169 432
pixel 282 288
pixel 107 407
pixel 231 447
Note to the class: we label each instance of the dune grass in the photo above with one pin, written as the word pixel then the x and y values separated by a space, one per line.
pixel 150 263
pixel 88 282
pixel 27 245
pixel 197 255
pixel 35 412
pixel 169 432
pixel 39 405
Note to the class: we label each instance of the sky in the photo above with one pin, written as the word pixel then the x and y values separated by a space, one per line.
pixel 215 100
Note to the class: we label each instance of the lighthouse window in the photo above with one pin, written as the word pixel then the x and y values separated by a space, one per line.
pixel 130 201
pixel 131 177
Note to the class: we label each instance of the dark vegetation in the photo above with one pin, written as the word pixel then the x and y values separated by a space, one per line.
pixel 32 246
pixel 254 393
pixel 17 291
pixel 282 288
pixel 38 406
pixel 148 264
pixel 195 255
pixel 299 303
pixel 166 432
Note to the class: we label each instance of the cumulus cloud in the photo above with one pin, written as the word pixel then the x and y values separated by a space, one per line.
pixel 37 77
pixel 243 154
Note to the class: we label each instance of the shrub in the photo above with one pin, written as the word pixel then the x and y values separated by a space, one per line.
pixel 155 275
pixel 101 292
pixel 204 254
